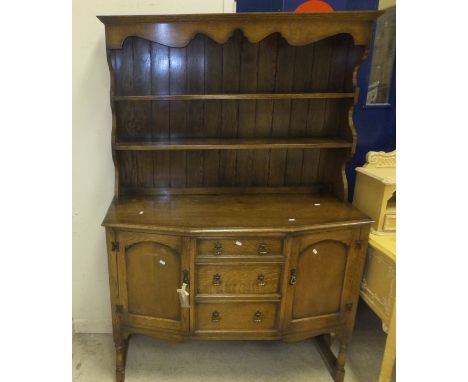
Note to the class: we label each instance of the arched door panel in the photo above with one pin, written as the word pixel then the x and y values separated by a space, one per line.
pixel 318 284
pixel 320 274
pixel 153 276
pixel 151 269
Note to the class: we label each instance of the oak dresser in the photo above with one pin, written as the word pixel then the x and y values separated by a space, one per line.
pixel 230 135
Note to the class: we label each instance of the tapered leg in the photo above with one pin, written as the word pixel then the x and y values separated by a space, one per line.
pixel 120 359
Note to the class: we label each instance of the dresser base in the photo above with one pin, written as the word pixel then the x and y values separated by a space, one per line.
pixel 262 282
pixel 334 364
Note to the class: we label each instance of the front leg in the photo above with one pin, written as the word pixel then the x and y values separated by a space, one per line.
pixel 120 359
pixel 334 364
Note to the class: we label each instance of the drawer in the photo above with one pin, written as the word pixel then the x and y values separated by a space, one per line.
pixel 236 316
pixel 238 279
pixel 389 223
pixel 239 247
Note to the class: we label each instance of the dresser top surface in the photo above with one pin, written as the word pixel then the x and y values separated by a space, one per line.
pixel 232 213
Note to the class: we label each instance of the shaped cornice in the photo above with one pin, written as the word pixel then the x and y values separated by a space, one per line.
pixel 297 29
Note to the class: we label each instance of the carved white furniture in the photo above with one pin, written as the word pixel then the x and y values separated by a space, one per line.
pixel 376 195
pixel 375 191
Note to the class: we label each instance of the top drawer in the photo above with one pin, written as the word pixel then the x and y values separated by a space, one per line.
pixel 239 247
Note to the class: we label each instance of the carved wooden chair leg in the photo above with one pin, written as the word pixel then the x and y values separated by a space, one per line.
pixel 120 360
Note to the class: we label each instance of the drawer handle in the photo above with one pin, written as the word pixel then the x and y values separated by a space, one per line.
pixel 215 316
pixel 258 316
pixel 263 249
pixel 218 248
pixel 217 279
pixel 261 280
pixel 292 277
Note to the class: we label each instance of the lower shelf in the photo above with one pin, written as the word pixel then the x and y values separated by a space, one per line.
pixel 234 144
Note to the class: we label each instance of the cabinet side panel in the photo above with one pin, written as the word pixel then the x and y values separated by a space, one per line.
pixel 113 283
pixel 122 61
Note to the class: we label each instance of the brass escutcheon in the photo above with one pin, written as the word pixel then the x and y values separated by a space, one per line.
pixel 261 280
pixel 258 316
pixel 217 279
pixel 263 249
pixel 215 317
pixel 218 248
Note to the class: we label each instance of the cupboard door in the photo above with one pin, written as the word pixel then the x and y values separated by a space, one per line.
pixel 151 269
pixel 319 272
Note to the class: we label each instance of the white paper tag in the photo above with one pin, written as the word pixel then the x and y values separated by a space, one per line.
pixel 141 212
pixel 315 252
pixel 183 296
pixel 162 262
pixel 317 204
pixel 239 243
pixel 292 219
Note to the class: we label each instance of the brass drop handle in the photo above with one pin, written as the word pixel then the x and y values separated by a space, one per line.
pixel 218 248
pixel 215 316
pixel 217 279
pixel 292 277
pixel 258 316
pixel 261 280
pixel 263 249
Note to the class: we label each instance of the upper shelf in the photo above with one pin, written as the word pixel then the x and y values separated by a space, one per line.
pixel 234 144
pixel 245 96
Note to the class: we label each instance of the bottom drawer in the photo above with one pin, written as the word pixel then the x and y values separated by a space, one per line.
pixel 236 316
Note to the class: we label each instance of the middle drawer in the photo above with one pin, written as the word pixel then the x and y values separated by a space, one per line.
pixel 238 279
